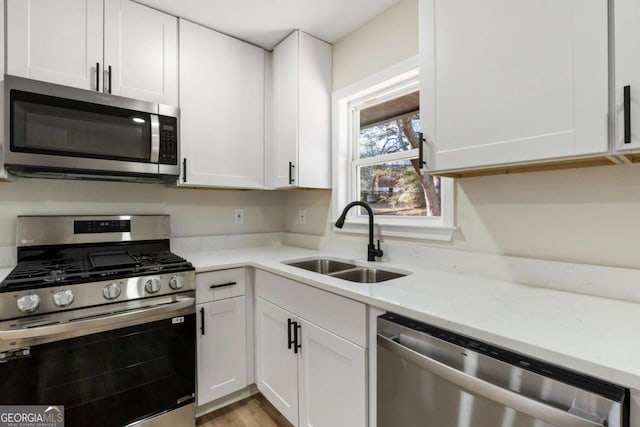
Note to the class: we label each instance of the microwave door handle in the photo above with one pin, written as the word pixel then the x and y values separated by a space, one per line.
pixel 155 139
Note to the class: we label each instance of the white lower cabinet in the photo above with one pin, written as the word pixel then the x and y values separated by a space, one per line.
pixel 331 379
pixel 222 334
pixel 276 363
pixel 313 376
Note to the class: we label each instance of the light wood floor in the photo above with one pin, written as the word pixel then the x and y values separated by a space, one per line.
pixel 253 411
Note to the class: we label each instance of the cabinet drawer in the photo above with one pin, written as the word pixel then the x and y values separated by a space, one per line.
pixel 342 316
pixel 217 285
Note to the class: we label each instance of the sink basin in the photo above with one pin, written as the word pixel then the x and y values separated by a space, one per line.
pixel 345 270
pixel 322 266
pixel 367 275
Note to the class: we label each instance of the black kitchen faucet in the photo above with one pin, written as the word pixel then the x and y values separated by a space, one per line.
pixel 372 251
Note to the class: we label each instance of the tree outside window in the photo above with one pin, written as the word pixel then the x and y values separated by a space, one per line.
pixel 386 161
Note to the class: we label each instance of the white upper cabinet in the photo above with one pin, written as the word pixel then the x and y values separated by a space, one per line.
pixel 73 43
pixel 56 41
pixel 627 75
pixel 300 143
pixel 222 109
pixel 141 52
pixel 512 81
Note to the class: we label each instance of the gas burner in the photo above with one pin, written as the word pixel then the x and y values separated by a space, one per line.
pixel 76 262
pixel 55 276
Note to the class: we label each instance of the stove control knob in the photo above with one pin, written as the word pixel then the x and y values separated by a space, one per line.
pixel 152 285
pixel 176 282
pixel 28 303
pixel 63 298
pixel 111 291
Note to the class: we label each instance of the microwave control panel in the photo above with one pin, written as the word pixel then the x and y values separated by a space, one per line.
pixel 168 140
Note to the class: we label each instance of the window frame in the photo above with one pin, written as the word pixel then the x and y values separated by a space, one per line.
pixel 390 83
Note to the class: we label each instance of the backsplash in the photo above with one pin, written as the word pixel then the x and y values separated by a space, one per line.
pixel 193 212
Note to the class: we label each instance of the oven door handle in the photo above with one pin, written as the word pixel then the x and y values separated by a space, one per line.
pixel 93 324
pixel 479 387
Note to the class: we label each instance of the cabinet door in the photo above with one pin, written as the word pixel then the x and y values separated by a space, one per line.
pixel 333 389
pixel 506 81
pixel 55 41
pixel 141 47
pixel 276 364
pixel 627 74
pixel 284 160
pixel 314 133
pixel 222 349
pixel 222 108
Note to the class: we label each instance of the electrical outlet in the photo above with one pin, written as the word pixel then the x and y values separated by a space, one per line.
pixel 238 216
pixel 302 216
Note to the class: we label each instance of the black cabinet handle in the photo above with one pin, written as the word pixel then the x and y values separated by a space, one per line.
pixel 296 344
pixel 627 114
pixel 109 78
pixel 291 178
pixel 184 170
pixel 222 285
pixel 290 342
pixel 202 319
pixel 97 77
pixel 421 140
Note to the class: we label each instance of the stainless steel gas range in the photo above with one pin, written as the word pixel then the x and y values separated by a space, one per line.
pixel 98 317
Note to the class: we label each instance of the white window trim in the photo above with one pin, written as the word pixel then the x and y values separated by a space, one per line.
pixel 441 228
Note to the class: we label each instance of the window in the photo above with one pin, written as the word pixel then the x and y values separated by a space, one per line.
pixel 376 146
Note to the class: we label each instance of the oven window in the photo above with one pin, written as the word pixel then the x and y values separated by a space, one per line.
pixel 49 125
pixel 108 379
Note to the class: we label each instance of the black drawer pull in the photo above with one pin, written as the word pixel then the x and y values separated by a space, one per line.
pixel 291 168
pixel 184 170
pixel 296 344
pixel 97 77
pixel 109 73
pixel 202 324
pixel 627 114
pixel 421 142
pixel 290 323
pixel 222 285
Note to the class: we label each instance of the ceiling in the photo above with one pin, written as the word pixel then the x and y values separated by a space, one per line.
pixel 267 22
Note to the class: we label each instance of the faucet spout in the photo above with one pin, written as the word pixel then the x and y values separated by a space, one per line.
pixel 372 251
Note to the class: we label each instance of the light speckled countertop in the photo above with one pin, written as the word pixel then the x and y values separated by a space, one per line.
pixel 591 334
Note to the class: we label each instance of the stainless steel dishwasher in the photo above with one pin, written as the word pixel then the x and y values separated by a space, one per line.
pixel 430 377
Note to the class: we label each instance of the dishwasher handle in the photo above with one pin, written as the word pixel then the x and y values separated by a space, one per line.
pixel 479 387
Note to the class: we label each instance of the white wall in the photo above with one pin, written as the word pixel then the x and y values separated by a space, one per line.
pixel 193 212
pixel 384 41
pixel 589 215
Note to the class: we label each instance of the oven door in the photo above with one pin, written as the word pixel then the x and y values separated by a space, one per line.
pixel 110 378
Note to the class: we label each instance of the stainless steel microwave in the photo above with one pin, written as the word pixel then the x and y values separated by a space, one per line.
pixel 54 131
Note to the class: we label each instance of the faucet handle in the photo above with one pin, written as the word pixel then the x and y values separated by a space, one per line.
pixel 379 254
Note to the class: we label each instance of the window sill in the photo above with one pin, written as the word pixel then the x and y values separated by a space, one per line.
pixel 442 233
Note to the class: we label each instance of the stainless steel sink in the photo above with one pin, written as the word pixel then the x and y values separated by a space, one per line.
pixel 367 275
pixel 322 266
pixel 346 271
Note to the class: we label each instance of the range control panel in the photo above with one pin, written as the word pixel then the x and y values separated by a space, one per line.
pixel 102 226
